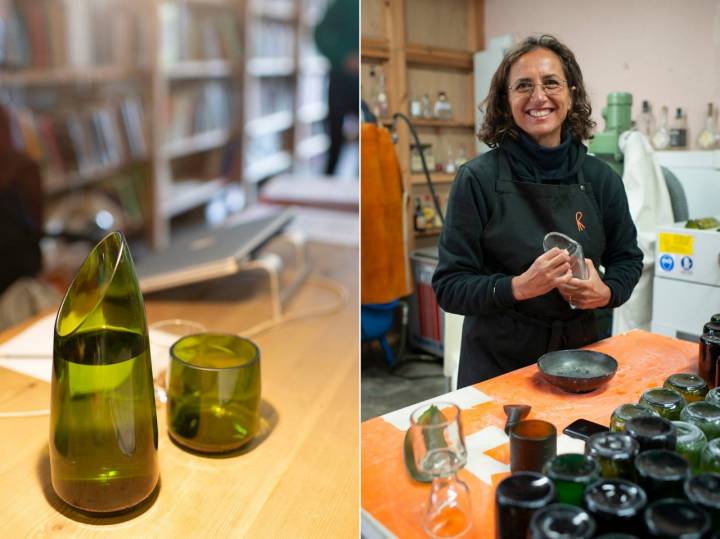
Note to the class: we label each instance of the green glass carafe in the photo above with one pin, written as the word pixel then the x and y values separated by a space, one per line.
pixel 103 426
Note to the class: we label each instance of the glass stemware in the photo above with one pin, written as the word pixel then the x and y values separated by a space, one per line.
pixel 439 450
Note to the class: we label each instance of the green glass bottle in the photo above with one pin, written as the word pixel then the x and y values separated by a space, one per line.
pixel 103 426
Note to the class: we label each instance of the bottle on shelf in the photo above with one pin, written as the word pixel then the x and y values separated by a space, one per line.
pixel 426 107
pixel 706 138
pixel 646 122
pixel 460 157
pixel 443 108
pixel 415 106
pixel 661 137
pixel 678 131
pixel 428 212
pixel 382 100
pixel 419 219
pixel 450 160
pixel 437 220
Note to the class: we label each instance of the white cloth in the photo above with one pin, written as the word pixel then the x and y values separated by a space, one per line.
pixel 650 207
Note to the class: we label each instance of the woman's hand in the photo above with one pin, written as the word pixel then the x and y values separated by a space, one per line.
pixel 548 271
pixel 590 293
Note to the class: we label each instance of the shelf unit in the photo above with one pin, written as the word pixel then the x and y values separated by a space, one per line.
pixel 175 57
pixel 419 53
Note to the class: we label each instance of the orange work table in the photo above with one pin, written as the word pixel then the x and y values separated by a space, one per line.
pixel 392 503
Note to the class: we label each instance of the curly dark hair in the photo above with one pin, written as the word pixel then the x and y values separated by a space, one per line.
pixel 498 121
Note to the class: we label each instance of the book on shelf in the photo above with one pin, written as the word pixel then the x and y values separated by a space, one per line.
pixel 197 109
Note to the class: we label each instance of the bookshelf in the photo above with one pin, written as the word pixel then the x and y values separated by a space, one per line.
pixel 423 50
pixel 163 106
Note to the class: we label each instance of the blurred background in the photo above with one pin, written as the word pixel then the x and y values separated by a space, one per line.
pixel 152 117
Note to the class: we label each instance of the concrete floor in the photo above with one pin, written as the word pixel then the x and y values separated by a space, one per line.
pixel 384 389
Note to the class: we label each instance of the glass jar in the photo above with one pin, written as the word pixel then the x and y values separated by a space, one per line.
pixel 704 414
pixel 443 108
pixel 690 442
pixel 571 473
pixel 416 159
pixel 710 457
pixel 517 497
pixel 652 433
pixel 713 396
pixel 691 386
pixel 616 504
pixel 561 520
pixel 615 453
pixel 676 518
pixel 704 490
pixel 661 473
pixel 625 412
pixel 708 358
pixel 666 402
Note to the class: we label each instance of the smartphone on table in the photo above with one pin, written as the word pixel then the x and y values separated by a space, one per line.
pixel 582 429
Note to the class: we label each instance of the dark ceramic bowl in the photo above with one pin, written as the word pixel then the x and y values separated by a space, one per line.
pixel 577 371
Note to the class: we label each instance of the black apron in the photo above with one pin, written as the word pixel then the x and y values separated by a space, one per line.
pixel 512 338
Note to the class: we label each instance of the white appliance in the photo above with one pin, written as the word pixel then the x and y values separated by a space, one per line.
pixel 699 174
pixel 686 287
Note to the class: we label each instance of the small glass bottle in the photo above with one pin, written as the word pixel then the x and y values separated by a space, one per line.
pixel 615 453
pixel 713 396
pixel 661 473
pixel 712 326
pixel 666 402
pixel 652 433
pixel 691 386
pixel 460 158
pixel 443 108
pixel 674 517
pixel 705 415
pixel 616 504
pixel 661 137
pixel 710 457
pixel 415 106
pixel 571 473
pixel 517 497
pixel 561 520
pixel 690 442
pixel 678 131
pixel 426 106
pixel 704 491
pixel 706 138
pixel 625 412
pixel 420 224
pixel 646 121
pixel 708 358
pixel 381 97
pixel 449 160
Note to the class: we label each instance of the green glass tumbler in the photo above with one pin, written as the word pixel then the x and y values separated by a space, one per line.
pixel 625 412
pixel 705 415
pixel 571 473
pixel 666 402
pixel 675 517
pixel 710 457
pixel 661 473
pixel 213 392
pixel 690 386
pixel 615 453
pixel 103 425
pixel 690 442
pixel 704 491
pixel 713 396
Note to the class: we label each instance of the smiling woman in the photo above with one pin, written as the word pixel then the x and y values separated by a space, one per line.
pixel 538 178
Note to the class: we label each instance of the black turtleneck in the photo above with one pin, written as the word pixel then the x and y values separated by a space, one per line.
pixel 553 162
pixel 532 162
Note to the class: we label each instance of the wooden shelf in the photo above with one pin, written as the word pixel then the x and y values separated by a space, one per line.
pixel 186 194
pixel 70 75
pixel 196 69
pixel 272 123
pixel 267 166
pixel 279 11
pixel 312 146
pixel 424 55
pixel 313 112
pixel 197 143
pixel 75 180
pixel 439 124
pixel 428 233
pixel 271 67
pixel 437 177
pixel 375 49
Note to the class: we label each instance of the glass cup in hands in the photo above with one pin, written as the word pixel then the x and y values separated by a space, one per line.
pixel 213 392
pixel 573 248
pixel 439 450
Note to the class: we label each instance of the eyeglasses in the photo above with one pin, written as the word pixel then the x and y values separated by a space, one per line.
pixel 550 86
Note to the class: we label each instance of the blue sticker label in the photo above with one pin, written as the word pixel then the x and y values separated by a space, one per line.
pixel 686 263
pixel 667 262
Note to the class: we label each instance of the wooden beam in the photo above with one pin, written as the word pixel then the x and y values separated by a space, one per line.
pixel 426 55
pixel 476 25
pixel 376 49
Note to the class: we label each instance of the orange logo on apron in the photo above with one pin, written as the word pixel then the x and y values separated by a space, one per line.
pixel 578 221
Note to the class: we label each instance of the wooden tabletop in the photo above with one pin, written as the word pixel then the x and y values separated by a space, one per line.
pixel 395 502
pixel 298 478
